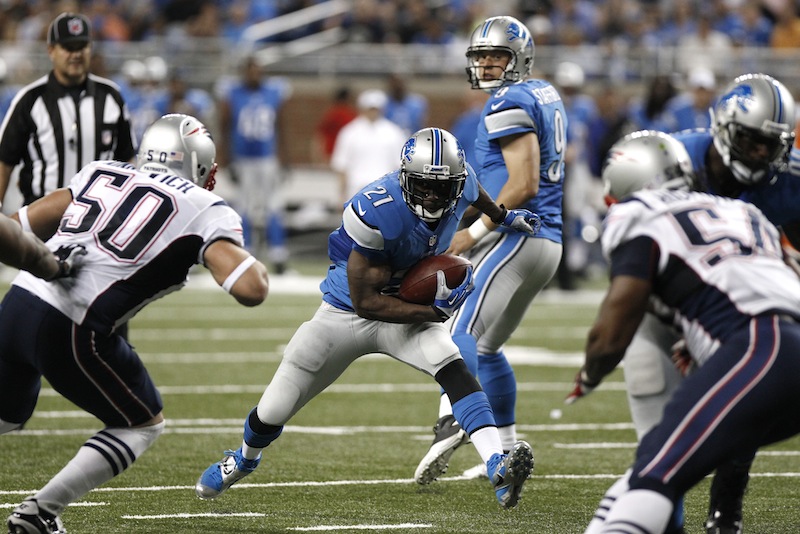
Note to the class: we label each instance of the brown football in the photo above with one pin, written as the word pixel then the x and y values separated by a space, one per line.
pixel 419 283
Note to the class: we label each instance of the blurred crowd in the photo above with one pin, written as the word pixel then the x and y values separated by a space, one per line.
pixel 641 23
pixel 599 113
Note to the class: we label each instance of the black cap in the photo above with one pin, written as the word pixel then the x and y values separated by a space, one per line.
pixel 69 28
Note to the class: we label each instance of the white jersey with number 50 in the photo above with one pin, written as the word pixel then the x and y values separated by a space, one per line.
pixel 142 233
pixel 702 252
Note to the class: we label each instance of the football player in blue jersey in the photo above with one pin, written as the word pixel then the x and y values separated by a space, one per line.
pixel 743 155
pixel 520 150
pixel 386 228
pixel 713 267
pixel 252 118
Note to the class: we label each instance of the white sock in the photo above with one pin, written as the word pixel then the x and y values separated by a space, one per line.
pixel 638 511
pixel 251 453
pixel 90 468
pixel 618 488
pixel 445 408
pixel 508 436
pixel 487 442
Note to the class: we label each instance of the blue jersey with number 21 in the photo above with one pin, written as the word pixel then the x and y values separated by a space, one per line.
pixel 379 224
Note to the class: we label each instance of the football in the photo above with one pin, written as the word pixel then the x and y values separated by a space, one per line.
pixel 419 283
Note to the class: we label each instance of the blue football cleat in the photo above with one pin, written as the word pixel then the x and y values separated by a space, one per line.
pixel 509 473
pixel 223 474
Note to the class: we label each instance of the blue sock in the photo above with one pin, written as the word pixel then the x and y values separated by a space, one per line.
pixel 259 437
pixel 276 232
pixel 473 412
pixel 468 348
pixel 498 381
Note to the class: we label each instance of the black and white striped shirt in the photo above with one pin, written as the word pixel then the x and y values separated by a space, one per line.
pixel 55 131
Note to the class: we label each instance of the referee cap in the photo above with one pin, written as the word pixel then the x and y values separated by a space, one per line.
pixel 69 28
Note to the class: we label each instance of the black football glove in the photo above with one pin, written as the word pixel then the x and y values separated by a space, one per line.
pixel 69 258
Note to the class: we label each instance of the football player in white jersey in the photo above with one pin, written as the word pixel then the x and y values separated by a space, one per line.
pixel 713 267
pixel 387 227
pixel 739 156
pixel 142 228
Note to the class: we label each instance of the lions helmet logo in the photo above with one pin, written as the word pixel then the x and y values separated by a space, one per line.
pixel 741 96
pixel 514 32
pixel 409 148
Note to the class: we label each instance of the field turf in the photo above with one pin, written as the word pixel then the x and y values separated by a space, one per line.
pixel 345 463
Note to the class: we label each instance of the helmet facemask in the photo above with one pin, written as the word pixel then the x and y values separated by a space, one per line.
pixel 432 173
pixel 737 143
pixel 475 69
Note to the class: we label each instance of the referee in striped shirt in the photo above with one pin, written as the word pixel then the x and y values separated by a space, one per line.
pixel 65 120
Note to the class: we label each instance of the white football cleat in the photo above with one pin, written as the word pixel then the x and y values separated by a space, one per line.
pixel 448 436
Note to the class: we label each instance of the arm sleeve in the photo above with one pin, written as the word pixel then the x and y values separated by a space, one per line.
pixel 637 257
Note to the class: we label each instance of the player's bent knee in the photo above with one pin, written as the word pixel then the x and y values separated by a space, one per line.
pixel 457 381
pixel 139 438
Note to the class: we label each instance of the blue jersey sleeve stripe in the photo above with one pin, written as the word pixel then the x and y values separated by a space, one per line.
pixel 360 232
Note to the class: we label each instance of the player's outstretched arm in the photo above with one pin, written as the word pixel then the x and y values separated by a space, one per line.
pixel 239 273
pixel 25 251
pixel 619 316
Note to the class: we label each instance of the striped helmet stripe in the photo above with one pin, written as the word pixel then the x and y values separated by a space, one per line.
pixel 778 111
pixel 486 26
pixel 436 154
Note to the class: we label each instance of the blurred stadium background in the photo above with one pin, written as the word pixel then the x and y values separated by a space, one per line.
pixel 323 45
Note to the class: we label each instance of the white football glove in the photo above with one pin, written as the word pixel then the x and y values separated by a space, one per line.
pixel 447 300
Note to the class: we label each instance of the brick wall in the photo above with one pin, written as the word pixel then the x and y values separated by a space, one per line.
pixel 311 97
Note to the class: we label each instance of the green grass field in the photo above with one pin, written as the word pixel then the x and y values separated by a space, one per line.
pixel 346 461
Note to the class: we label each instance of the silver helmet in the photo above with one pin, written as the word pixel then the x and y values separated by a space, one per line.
pixel 180 145
pixel 646 160
pixel 500 34
pixel 432 163
pixel 753 127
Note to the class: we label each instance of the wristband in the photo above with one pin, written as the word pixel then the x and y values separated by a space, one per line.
pixel 478 230
pixel 23 219
pixel 585 379
pixel 502 216
pixel 237 273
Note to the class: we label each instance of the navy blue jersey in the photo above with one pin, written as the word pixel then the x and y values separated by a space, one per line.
pixel 379 224
pixel 530 106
